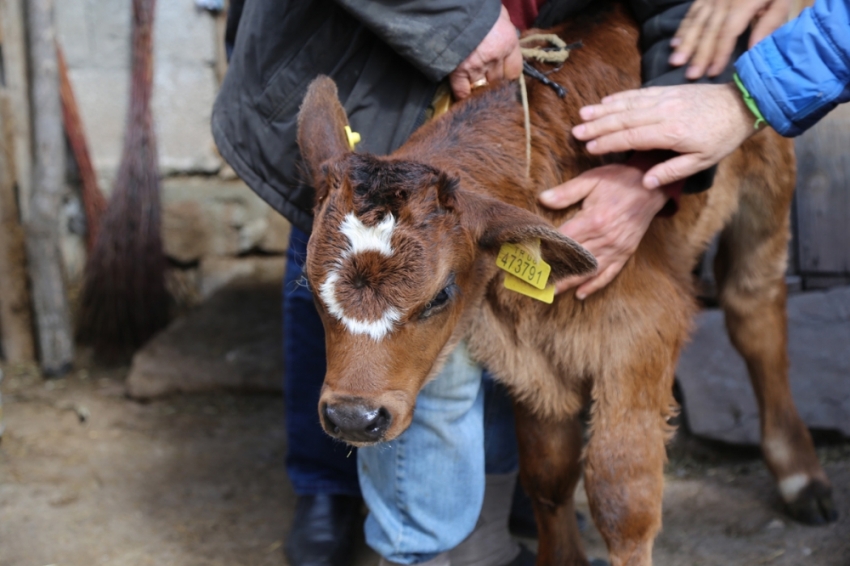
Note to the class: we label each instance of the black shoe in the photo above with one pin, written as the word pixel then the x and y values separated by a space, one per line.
pixel 524 558
pixel 324 530
pixel 522 522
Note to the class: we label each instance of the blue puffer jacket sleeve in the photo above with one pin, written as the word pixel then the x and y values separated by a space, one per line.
pixel 801 71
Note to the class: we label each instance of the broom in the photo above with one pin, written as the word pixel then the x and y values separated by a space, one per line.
pixel 124 300
pixel 93 202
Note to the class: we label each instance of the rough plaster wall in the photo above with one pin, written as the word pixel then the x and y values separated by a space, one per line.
pixel 95 35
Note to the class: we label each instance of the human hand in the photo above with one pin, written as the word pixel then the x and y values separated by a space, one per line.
pixel 498 55
pixel 703 123
pixel 614 216
pixel 707 35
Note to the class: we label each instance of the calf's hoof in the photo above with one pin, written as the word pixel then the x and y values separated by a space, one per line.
pixel 813 505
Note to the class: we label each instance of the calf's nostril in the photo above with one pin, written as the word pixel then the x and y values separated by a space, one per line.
pixel 330 419
pixel 356 422
pixel 380 423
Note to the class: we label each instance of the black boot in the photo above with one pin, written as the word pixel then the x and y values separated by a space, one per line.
pixel 324 530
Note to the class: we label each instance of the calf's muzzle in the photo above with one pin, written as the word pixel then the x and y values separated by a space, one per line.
pixel 355 421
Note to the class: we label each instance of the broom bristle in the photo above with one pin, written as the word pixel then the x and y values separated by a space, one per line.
pixel 124 299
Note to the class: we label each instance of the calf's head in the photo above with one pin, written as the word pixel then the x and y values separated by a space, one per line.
pixel 398 259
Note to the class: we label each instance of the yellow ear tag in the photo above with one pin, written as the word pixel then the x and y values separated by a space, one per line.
pixel 441 104
pixel 352 137
pixel 516 284
pixel 527 273
pixel 523 261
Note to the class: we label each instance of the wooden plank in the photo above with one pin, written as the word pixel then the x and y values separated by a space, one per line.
pixel 15 317
pixel 823 198
pixel 16 69
pixel 50 300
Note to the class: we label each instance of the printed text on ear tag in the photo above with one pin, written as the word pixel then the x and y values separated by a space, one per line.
pixel 523 261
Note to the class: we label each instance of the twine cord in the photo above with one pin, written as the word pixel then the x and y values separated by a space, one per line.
pixel 552 55
pixel 558 54
pixel 527 118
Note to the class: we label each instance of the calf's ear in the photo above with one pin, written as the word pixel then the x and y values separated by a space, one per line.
pixel 495 223
pixel 321 126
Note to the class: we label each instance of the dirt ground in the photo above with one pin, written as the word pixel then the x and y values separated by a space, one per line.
pixel 89 477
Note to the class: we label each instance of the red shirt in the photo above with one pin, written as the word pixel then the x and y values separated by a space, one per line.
pixel 523 12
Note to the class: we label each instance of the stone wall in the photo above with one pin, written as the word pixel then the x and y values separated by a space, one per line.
pixel 214 230
pixel 218 231
pixel 95 35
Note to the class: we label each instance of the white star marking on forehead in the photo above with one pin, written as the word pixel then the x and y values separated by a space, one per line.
pixel 377 329
pixel 362 238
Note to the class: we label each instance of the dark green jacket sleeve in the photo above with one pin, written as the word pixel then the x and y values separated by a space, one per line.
pixel 435 36
pixel 384 55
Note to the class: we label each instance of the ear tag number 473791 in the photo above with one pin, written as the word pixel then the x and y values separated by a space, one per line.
pixel 527 273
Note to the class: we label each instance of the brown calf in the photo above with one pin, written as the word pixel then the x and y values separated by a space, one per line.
pixel 402 262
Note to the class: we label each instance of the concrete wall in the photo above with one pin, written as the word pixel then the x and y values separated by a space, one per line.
pixel 95 35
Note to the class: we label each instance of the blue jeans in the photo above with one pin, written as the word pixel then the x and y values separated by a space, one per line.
pixel 316 463
pixel 424 489
pixel 500 448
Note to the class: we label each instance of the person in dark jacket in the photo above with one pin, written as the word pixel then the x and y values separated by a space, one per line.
pixel 789 81
pixel 387 59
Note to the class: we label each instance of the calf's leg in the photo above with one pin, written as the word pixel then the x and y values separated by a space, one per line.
pixel 550 451
pixel 750 271
pixel 624 480
pixel 625 456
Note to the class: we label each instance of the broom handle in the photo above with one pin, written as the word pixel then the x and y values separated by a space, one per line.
pixel 93 201
pixel 140 145
pixel 142 72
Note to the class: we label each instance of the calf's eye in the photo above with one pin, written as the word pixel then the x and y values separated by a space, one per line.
pixel 439 300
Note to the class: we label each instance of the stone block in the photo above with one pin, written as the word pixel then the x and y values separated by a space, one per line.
pixel 719 402
pixel 233 341
pixel 102 96
pixel 184 231
pixel 94 33
pixel 252 233
pixel 184 35
pixel 218 272
pixel 109 30
pixel 276 238
pixel 184 286
pixel 182 108
pixel 72 30
pixel 232 218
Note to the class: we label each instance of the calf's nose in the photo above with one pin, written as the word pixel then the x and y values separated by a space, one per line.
pixel 356 422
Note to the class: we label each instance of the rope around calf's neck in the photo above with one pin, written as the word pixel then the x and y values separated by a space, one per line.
pixel 558 55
